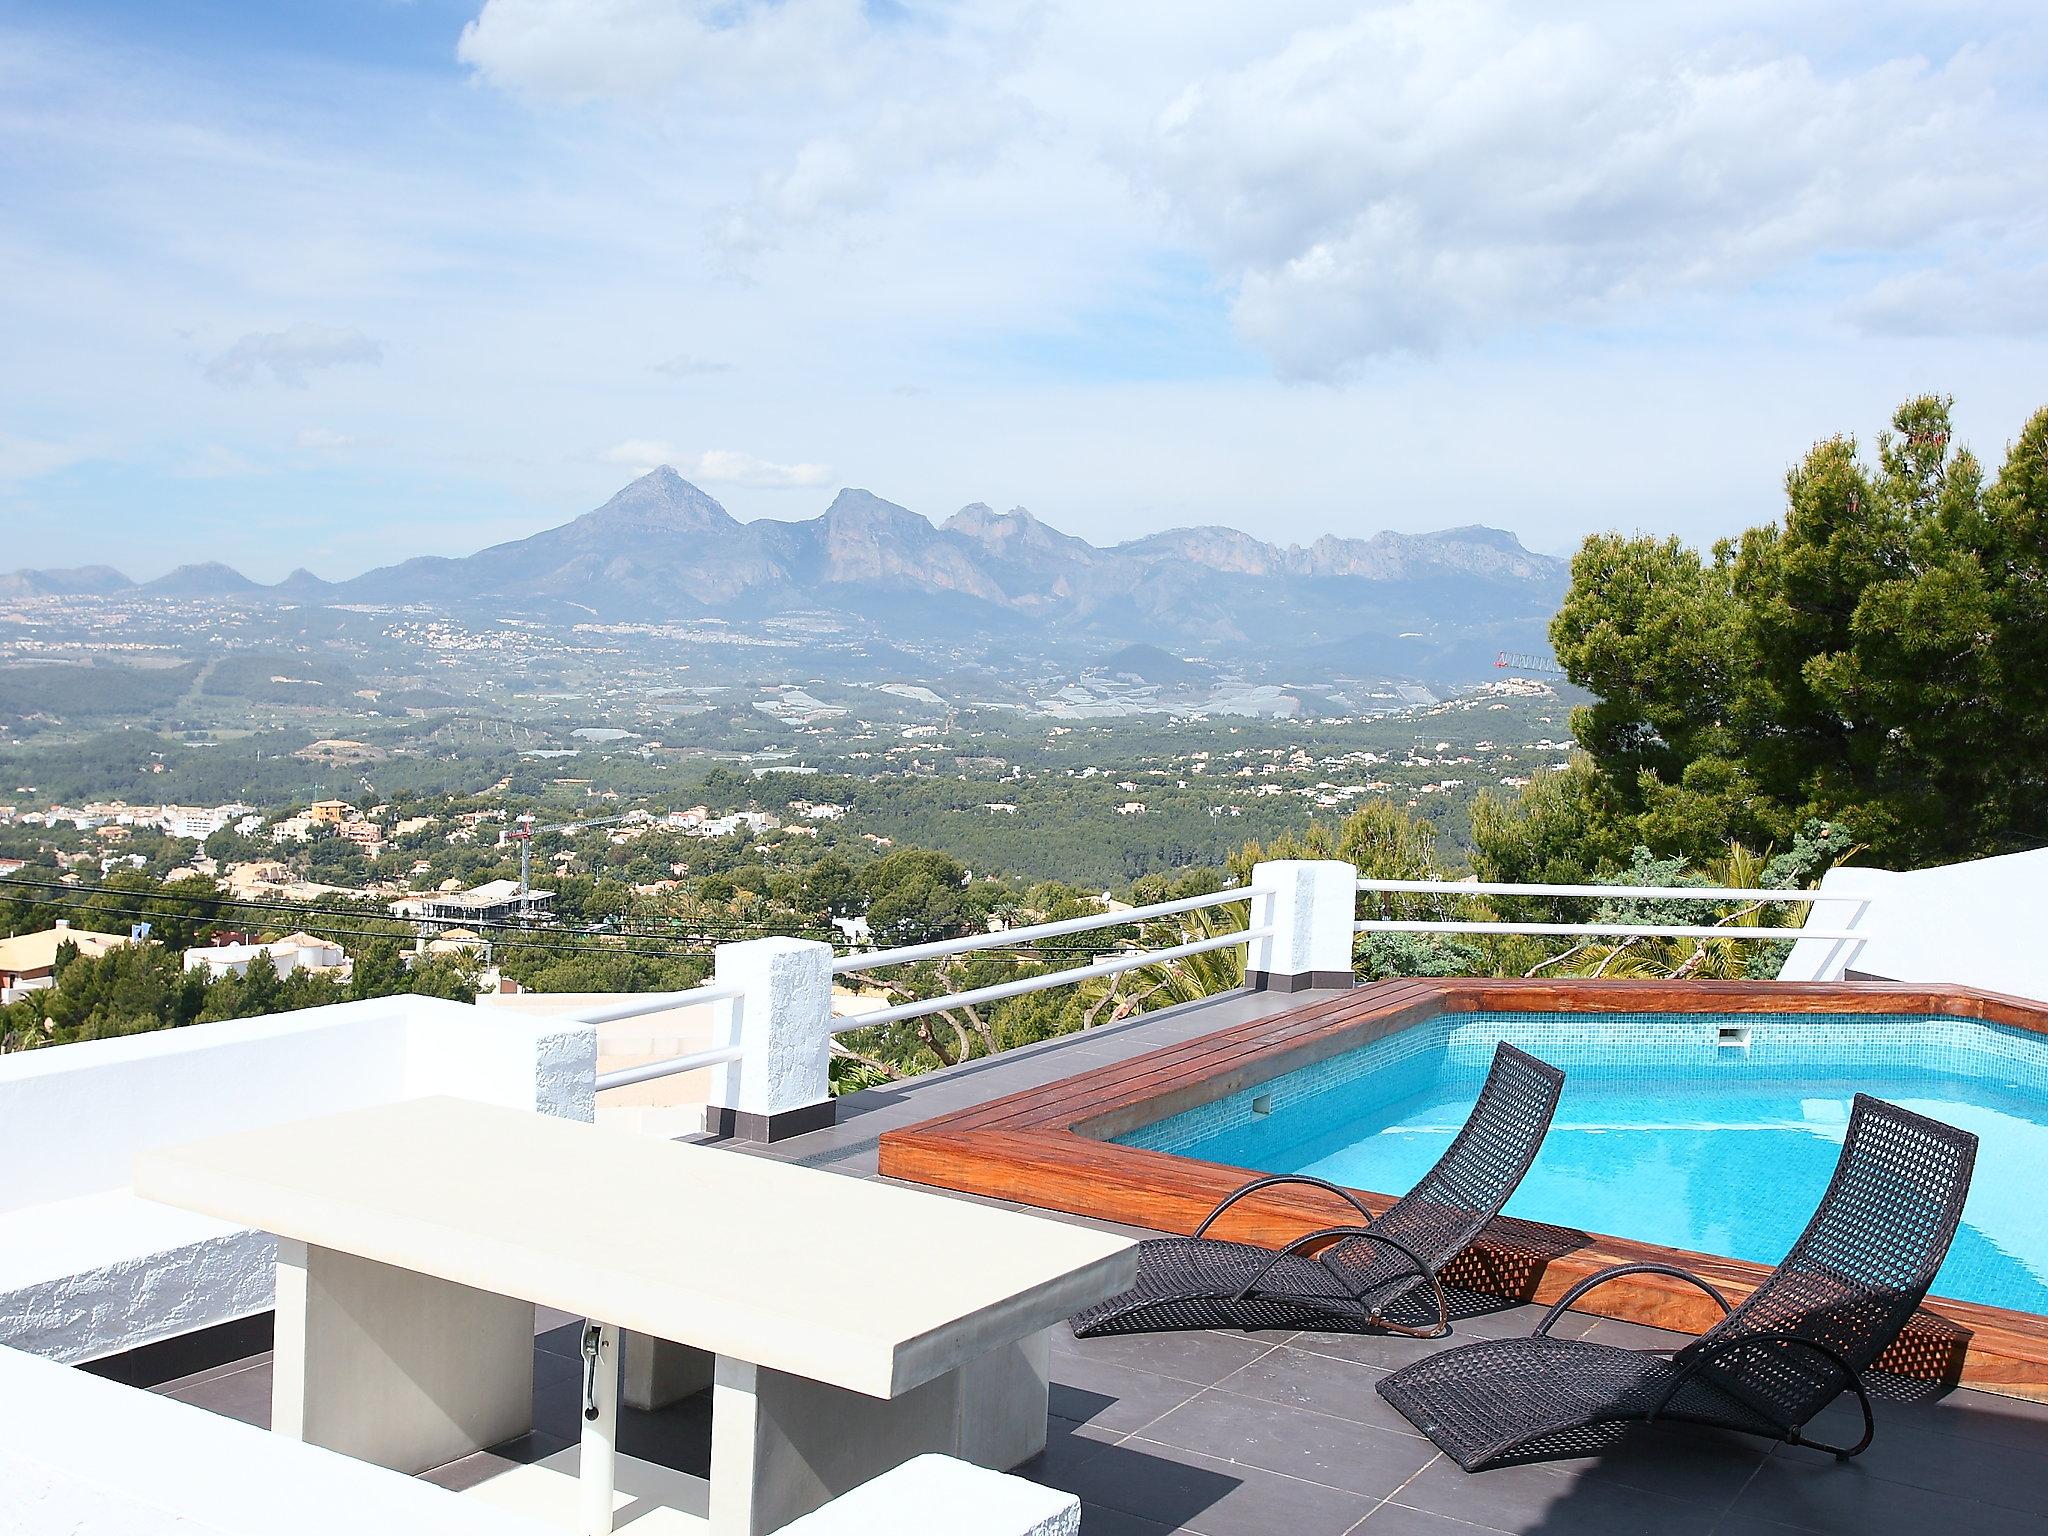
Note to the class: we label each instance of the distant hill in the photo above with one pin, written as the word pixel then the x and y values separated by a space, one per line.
pixel 212 579
pixel 661 549
pixel 82 581
pixel 1149 664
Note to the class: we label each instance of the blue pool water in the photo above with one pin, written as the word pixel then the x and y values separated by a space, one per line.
pixel 1666 1135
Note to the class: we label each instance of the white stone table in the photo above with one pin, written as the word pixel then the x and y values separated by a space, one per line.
pixel 854 1324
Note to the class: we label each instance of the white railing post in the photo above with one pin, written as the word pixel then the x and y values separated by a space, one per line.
pixel 1307 904
pixel 781 1085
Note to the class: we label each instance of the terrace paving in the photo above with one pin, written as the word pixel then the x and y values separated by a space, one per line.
pixel 1283 1434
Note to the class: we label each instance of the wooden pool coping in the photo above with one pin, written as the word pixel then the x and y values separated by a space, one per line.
pixel 1048 1147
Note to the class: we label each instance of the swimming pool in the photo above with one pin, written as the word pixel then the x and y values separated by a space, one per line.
pixel 1714 1132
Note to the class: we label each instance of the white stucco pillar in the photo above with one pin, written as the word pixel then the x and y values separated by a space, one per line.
pixel 1308 903
pixel 782 1084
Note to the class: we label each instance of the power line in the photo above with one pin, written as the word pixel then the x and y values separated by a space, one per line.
pixel 136 906
pixel 578 941
pixel 331 930
pixel 254 903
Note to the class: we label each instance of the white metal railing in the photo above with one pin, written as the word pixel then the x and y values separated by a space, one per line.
pixel 637 1004
pixel 1285 922
pixel 1605 892
pixel 910 954
pixel 1634 892
pixel 669 1066
pixel 1010 938
pixel 1603 930
pixel 974 996
pixel 640 1004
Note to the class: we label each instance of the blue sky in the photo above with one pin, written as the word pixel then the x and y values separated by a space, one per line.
pixel 339 281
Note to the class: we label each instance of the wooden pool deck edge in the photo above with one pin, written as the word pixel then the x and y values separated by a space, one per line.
pixel 1046 1147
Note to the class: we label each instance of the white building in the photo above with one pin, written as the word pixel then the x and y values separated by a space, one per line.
pixel 28 961
pixel 294 952
pixel 493 901
pixel 197 822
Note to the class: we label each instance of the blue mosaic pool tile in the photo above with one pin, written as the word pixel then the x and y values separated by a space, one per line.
pixel 1653 1047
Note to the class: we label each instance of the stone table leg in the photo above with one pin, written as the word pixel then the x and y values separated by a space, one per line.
pixel 782 1445
pixel 392 1367
pixel 660 1372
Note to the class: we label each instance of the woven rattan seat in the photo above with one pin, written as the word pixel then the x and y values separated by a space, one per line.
pixel 1803 1338
pixel 1381 1274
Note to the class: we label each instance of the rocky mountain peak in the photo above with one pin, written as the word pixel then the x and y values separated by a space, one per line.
pixel 1228 550
pixel 854 509
pixel 660 501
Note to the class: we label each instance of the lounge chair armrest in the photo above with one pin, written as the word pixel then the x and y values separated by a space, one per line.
pixel 1281 1178
pixel 1363 1234
pixel 1704 1355
pixel 1616 1272
pixel 1321 1233
pixel 1347 1232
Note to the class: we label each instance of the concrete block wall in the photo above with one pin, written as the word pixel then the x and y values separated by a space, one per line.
pixel 89 1457
pixel 1975 923
pixel 89 1270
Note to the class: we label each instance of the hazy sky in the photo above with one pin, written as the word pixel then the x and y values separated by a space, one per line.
pixel 333 282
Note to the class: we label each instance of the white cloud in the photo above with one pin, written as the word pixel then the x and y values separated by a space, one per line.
pixel 579 50
pixel 290 355
pixel 684 366
pixel 1969 298
pixel 1445 170
pixel 25 458
pixel 716 466
pixel 321 440
pixel 1090 233
pixel 216 462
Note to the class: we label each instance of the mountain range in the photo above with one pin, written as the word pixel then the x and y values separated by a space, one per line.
pixel 663 550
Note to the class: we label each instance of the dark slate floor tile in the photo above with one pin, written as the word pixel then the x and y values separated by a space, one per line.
pixel 1209 1496
pixel 1200 1357
pixel 1113 1397
pixel 549 1366
pixel 1749 1525
pixel 184 1384
pixel 1381 1351
pixel 1991 1471
pixel 1392 1519
pixel 677 1436
pixel 1314 1447
pixel 242 1394
pixel 1302 1378
pixel 558 1405
pixel 1979 1416
pixel 562 1339
pixel 1067 1445
pixel 469 1471
pixel 1625 1335
pixel 1101 1520
pixel 1681 1461
pixel 1472 1317
pixel 1553 1499
pixel 1817 1493
pixel 547 1319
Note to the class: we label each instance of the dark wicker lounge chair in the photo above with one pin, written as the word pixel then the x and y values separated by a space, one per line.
pixel 1355 1274
pixel 1803 1337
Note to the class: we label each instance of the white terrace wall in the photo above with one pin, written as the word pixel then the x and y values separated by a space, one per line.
pixel 92 1458
pixel 87 1269
pixel 1976 924
pixel 663 1106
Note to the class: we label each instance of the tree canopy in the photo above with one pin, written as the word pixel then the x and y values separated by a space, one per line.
pixel 1878 659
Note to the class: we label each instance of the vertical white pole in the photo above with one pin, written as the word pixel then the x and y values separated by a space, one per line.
pixel 597 1470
